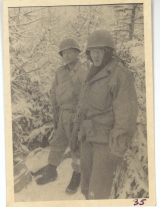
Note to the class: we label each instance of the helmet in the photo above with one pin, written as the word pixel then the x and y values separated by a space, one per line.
pixel 100 38
pixel 68 44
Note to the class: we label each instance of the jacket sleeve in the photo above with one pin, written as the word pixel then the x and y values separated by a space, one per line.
pixel 53 94
pixel 125 111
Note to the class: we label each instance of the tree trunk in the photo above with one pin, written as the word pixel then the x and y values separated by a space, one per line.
pixel 131 25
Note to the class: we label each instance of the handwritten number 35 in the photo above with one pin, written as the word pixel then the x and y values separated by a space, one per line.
pixel 136 202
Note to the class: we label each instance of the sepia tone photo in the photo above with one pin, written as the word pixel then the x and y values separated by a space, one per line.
pixel 77 92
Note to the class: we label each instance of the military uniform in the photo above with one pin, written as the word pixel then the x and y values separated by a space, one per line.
pixel 107 112
pixel 64 97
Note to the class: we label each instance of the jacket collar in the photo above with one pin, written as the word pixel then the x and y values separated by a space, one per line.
pixel 106 71
pixel 76 66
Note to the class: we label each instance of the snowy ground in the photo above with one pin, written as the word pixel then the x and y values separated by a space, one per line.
pixel 51 191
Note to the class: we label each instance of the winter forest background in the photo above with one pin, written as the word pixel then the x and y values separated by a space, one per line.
pixel 34 36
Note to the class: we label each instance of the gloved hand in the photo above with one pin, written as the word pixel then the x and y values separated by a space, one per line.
pixel 55 118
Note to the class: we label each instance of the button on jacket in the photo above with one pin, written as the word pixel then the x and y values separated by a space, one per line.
pixel 108 107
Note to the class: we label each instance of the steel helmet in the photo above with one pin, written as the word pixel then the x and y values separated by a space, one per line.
pixel 68 44
pixel 100 38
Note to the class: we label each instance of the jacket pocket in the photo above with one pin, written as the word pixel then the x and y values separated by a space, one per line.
pixel 64 93
pixel 94 132
pixel 98 96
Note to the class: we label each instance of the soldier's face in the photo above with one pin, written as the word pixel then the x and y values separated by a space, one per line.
pixel 97 55
pixel 69 56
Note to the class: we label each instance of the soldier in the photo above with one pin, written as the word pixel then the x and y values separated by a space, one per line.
pixel 106 119
pixel 65 96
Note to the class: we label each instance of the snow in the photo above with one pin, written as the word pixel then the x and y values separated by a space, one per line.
pixel 53 190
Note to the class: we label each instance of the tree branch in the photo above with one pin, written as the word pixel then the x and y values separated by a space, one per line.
pixel 84 22
pixel 21 31
pixel 28 72
pixel 73 26
pixel 23 35
pixel 25 23
pixel 24 82
pixel 122 30
pixel 26 13
pixel 18 15
pixel 141 17
pixel 10 36
pixel 139 23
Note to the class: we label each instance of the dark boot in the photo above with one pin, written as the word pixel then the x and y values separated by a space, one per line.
pixel 74 183
pixel 49 175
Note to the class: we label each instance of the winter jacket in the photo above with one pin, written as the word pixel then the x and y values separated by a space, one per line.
pixel 108 108
pixel 66 87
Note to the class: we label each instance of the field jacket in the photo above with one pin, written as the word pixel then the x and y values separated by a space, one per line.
pixel 108 108
pixel 67 85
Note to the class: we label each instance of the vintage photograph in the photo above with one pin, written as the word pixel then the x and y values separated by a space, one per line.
pixel 78 102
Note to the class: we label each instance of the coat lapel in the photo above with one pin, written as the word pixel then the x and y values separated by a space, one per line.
pixel 105 71
pixel 75 68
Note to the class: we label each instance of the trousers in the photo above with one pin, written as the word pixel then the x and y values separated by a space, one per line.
pixel 61 140
pixel 97 170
